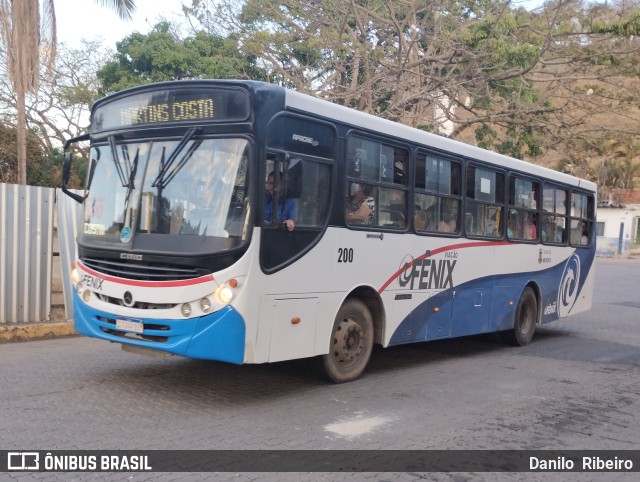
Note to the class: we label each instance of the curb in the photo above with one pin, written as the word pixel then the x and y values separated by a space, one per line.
pixel 35 331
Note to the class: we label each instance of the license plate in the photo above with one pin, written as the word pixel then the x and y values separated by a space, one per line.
pixel 130 324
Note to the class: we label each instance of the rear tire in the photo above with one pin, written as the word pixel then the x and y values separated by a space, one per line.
pixel 526 317
pixel 351 343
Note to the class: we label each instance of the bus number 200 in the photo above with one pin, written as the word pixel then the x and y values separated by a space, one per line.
pixel 345 255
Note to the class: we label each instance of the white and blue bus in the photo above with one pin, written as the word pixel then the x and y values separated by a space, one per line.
pixel 243 222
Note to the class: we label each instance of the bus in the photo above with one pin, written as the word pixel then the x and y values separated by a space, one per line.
pixel 243 222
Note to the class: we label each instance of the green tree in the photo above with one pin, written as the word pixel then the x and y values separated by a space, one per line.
pixel 9 152
pixel 28 30
pixel 161 56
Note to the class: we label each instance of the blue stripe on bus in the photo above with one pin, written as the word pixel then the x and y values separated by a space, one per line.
pixel 483 305
pixel 217 336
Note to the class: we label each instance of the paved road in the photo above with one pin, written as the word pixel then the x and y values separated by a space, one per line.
pixel 574 387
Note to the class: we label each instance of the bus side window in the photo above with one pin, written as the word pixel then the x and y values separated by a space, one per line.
pixel 438 182
pixel 485 195
pixel 581 223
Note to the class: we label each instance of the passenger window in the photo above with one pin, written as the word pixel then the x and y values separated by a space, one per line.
pixel 485 197
pixel 523 216
pixel 554 221
pixel 581 223
pixel 376 184
pixel 437 199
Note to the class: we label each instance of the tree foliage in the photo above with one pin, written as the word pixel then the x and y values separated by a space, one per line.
pixel 519 82
pixel 59 109
pixel 559 83
pixel 44 168
pixel 161 56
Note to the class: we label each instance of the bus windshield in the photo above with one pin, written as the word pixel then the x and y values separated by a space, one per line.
pixel 190 187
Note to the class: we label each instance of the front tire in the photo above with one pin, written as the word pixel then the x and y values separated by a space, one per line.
pixel 524 324
pixel 351 343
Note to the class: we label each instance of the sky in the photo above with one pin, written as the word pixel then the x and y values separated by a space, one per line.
pixel 88 19
pixel 78 19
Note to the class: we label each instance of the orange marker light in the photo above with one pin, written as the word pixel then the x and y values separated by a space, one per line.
pixel 295 320
pixel 233 282
pixel 436 309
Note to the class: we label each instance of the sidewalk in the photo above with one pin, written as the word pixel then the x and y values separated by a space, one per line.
pixel 35 331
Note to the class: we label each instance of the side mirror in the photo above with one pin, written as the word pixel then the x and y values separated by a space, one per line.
pixel 66 168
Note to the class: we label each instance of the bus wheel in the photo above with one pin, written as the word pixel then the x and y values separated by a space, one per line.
pixel 524 324
pixel 351 343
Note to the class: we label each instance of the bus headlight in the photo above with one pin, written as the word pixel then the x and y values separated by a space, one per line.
pixel 224 295
pixel 186 310
pixel 75 276
pixel 205 305
pixel 86 296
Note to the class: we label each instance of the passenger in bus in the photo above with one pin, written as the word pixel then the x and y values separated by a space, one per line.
pixel 287 208
pixel 551 233
pixel 420 219
pixel 584 239
pixel 425 220
pixel 447 224
pixel 530 231
pixel 547 234
pixel 360 205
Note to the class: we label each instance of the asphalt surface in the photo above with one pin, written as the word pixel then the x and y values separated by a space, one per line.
pixel 574 387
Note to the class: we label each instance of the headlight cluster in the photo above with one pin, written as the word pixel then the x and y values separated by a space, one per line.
pixel 221 296
pixel 85 294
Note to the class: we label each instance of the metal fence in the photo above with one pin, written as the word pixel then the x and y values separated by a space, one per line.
pixel 26 243
pixel 69 212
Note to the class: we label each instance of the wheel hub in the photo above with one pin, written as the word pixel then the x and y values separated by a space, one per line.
pixel 349 342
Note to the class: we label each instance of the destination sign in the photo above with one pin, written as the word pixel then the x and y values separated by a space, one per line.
pixel 177 111
pixel 170 106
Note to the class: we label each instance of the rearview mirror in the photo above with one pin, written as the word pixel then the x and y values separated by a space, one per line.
pixel 66 168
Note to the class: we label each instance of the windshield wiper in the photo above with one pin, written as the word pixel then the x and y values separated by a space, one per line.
pixel 114 154
pixel 130 187
pixel 164 176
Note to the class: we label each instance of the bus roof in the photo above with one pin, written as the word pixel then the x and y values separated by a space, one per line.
pixel 306 103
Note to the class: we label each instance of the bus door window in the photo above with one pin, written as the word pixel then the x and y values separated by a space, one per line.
pixel 438 188
pixel 281 193
pixel 297 197
pixel 485 193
